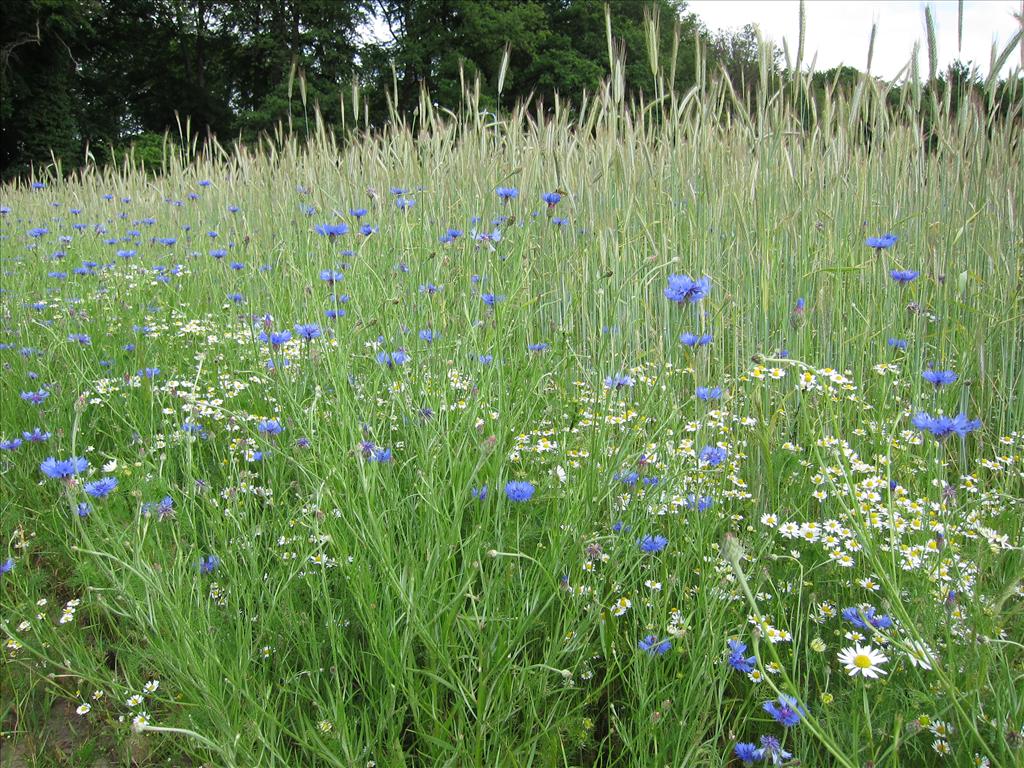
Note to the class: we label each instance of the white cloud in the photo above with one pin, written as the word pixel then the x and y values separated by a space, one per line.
pixel 838 31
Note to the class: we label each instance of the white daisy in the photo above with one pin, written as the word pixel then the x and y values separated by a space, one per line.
pixel 863 660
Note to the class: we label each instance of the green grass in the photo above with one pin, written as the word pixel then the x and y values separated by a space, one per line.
pixel 379 613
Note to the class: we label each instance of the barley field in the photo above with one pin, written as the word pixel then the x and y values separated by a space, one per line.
pixel 677 432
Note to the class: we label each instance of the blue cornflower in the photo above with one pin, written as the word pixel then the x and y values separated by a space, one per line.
pixel 538 347
pixel 236 297
pixel 332 230
pixel 654 646
pixel 10 445
pixel 560 221
pixel 628 478
pixel 63 469
pixel 148 373
pixel 36 398
pixel 747 753
pixel 100 489
pixel 904 276
pixel 485 359
pixel 81 338
pixel 618 381
pixel 83 509
pixel 712 455
pixel 709 393
pixel 693 340
pixel 366 230
pixel 684 288
pixel 391 359
pixel 379 455
pixel 405 203
pixel 519 490
pixel 652 544
pixel 334 314
pixel 218 253
pixel 507 193
pixel 939 378
pixel 479 493
pixel 429 336
pixel 7 566
pixel 307 331
pixel 771 750
pixel 237 265
pixel 38 232
pixel 491 299
pixel 786 710
pixel 275 338
pixel 897 343
pixel 737 660
pixel 357 212
pixel 884 242
pixel 700 503
pixel 331 276
pixel 430 289
pixel 866 617
pixel 942 427
pixel 270 427
pixel 126 253
pixel 208 563
pixel 205 183
pixel 551 198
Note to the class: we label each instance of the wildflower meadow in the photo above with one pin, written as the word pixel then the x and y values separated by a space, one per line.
pixel 679 431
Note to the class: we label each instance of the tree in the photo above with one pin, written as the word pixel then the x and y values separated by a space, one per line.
pixel 38 69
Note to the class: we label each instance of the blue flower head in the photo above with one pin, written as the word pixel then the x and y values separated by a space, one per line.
pixel 307 331
pixel 655 647
pixel 884 242
pixel 208 563
pixel 904 276
pixel 785 710
pixel 942 427
pixel 270 427
pixel 100 489
pixel 652 544
pixel 519 490
pixel 683 288
pixel 479 493
pixel 709 393
pixel 63 469
pixel 275 338
pixel 939 378
pixel 866 617
pixel 737 658
pixel 618 381
pixel 507 193
pixel 712 455
pixel 332 230
pixel 693 340
pixel 747 753
pixel 551 198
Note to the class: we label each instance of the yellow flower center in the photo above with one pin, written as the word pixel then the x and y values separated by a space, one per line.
pixel 862 660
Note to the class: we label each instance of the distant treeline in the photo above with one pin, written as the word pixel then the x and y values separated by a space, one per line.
pixel 83 79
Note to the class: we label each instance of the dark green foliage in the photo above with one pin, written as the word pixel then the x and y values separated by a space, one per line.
pixel 83 79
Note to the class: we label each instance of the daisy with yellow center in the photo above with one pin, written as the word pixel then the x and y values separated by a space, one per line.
pixel 863 660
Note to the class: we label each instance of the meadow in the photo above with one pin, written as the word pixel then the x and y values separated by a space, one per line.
pixel 679 432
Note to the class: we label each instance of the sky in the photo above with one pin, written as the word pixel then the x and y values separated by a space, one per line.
pixel 838 31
